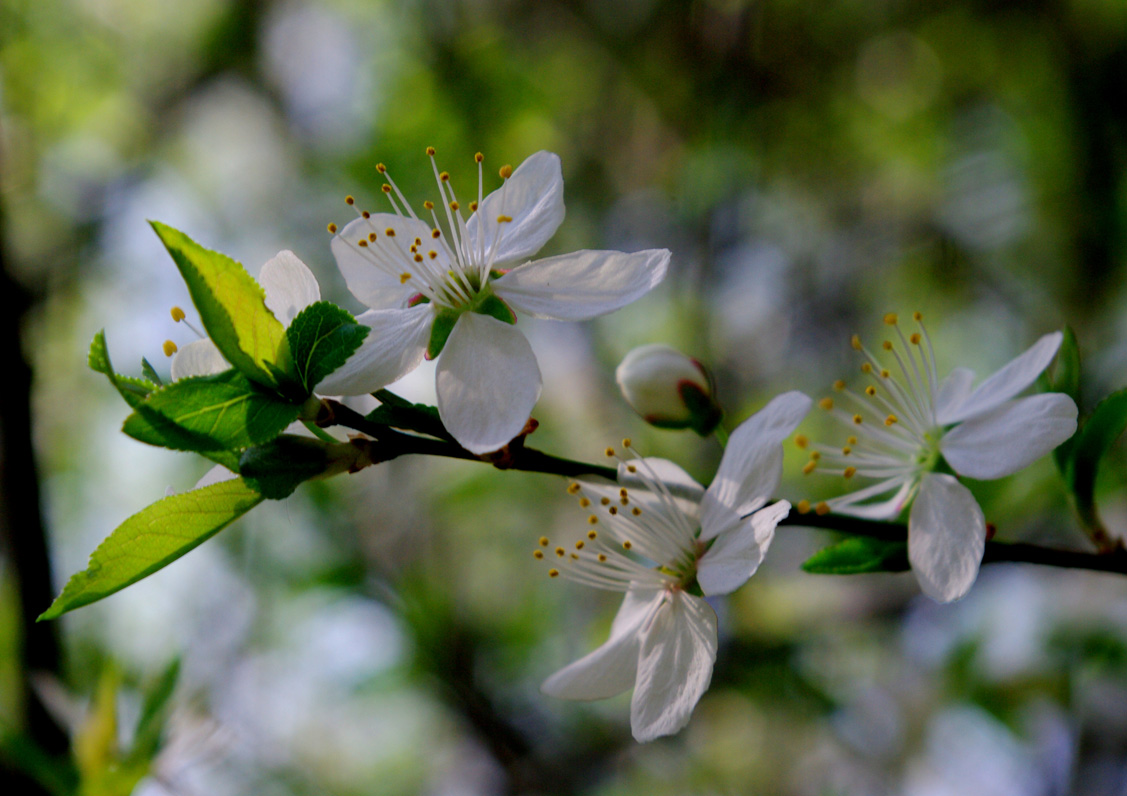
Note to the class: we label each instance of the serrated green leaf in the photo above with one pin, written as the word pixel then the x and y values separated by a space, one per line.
pixel 399 413
pixel 153 538
pixel 857 555
pixel 1090 444
pixel 150 373
pixel 134 391
pixel 222 412
pixel 321 338
pixel 277 468
pixel 232 308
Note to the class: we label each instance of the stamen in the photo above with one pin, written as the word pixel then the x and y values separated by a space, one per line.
pixel 826 403
pixel 803 506
pixel 890 319
pixel 850 472
pixel 332 228
pixel 822 508
pixel 506 171
pixel 538 555
pixel 801 441
pixel 169 348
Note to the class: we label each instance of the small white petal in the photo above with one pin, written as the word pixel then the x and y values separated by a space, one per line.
pixel 487 382
pixel 1011 437
pixel 610 669
pixel 582 284
pixel 290 286
pixel 1013 377
pixel 953 393
pixel 737 552
pixel 680 484
pixel 198 358
pixel 946 538
pixel 215 475
pixel 375 286
pixel 392 349
pixel 752 465
pixel 533 198
pixel 674 666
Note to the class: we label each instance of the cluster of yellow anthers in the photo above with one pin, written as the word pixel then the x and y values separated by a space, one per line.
pixel 892 423
pixel 620 525
pixel 177 314
pixel 406 257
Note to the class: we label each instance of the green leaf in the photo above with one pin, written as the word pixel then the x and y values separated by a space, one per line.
pixel 154 712
pixel 153 538
pixel 222 412
pixel 399 413
pixel 444 321
pixel 150 372
pixel 232 307
pixel 857 555
pixel 134 391
pixel 277 468
pixel 1089 446
pixel 321 338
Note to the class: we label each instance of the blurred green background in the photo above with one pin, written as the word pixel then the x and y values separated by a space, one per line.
pixel 811 165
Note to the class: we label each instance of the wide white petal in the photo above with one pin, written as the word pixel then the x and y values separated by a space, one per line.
pixel 582 284
pixel 289 284
pixel 946 538
pixel 533 198
pixel 373 273
pixel 953 393
pixel 752 465
pixel 1010 437
pixel 611 668
pixel 738 552
pixel 393 348
pixel 1013 377
pixel 674 667
pixel 198 358
pixel 487 382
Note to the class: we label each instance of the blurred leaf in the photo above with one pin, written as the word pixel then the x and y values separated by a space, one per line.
pixel 150 372
pixel 95 743
pixel 134 391
pixel 222 412
pixel 857 555
pixel 154 713
pixel 1090 444
pixel 232 307
pixel 321 338
pixel 277 468
pixel 399 413
pixel 153 538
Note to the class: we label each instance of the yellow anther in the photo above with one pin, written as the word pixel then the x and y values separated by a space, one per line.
pixel 473 206
pixel 428 204
pixel 849 472
pixel 436 233
pixel 385 188
pixel 917 316
pixel 404 278
pixel 815 455
pixel 559 551
pixel 626 442
pixel 884 374
pixel 365 213
pixel 580 544
pixel 454 206
pixel 418 258
pixel 543 541
pixel 362 243
pixel 389 232
pixel 822 508
pixel 444 176
pixel 801 441
pixel 538 555
pixel 169 348
pixel 803 506
pixel 624 501
pixel 584 502
pixel 553 573
pixel 505 171
pixel 826 403
pixel 605 501
pixel 915 338
pixel 855 341
pixel 613 510
pixel 809 467
pixel 886 345
pixel 332 228
pixel 504 219
pixel 372 237
pixel 857 419
pixel 627 544
pixel 418 242
pixel 866 367
pixel 573 557
pixel 890 319
pixel 891 419
pixel 609 451
pixel 432 254
pixel 851 440
pixel 430 152
pixel 631 468
pixel 839 385
pixel 846 450
pixel 573 488
pixel 592 534
pixel 381 168
pixel 177 314
pixel 349 200
pixel 593 520
pixel 479 157
pixel 870 391
pixel 602 558
pixel 622 492
pixel 637 512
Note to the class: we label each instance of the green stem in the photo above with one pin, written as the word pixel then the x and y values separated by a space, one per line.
pixel 319 432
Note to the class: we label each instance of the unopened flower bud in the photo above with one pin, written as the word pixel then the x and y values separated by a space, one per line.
pixel 668 389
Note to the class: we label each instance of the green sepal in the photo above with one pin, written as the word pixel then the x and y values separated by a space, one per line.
pixel 232 307
pixel 134 391
pixel 153 538
pixel 857 555
pixel 1087 449
pixel 277 468
pixel 150 373
pixel 493 306
pixel 444 321
pixel 704 413
pixel 399 413
pixel 321 338
pixel 221 412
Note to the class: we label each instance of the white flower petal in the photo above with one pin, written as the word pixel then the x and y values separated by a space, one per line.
pixel 290 286
pixel 1011 437
pixel 392 349
pixel 738 552
pixel 680 484
pixel 533 198
pixel 487 382
pixel 752 464
pixel 674 666
pixel 946 538
pixel 611 668
pixel 215 475
pixel 953 393
pixel 1013 377
pixel 198 358
pixel 379 286
pixel 582 284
